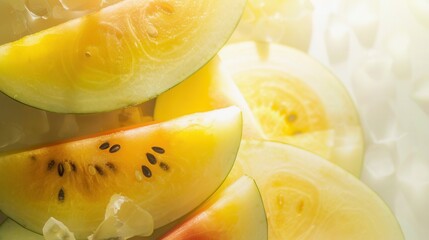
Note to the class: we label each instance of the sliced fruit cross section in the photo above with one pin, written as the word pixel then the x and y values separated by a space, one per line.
pixel 306 197
pixel 158 166
pixel 236 213
pixel 297 101
pixel 208 89
pixel 122 55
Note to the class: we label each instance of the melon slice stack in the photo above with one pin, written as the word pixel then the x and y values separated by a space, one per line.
pixel 249 140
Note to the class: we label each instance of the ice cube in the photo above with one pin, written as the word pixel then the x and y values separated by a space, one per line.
pixel 379 161
pixel 56 230
pixel 38 8
pixel 421 93
pixel 13 24
pixel 123 219
pixel 337 39
pixel 399 46
pixel 372 81
pixel 420 10
pixel 69 128
pixel 31 122
pixel 411 226
pixel 413 177
pixel 363 17
pixel 10 134
pixel 382 123
pixel 288 22
pixel 62 126
pixel 379 170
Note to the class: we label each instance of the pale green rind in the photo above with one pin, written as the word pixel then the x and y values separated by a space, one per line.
pixel 11 230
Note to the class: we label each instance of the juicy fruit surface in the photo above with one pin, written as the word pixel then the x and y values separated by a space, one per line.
pixel 156 166
pixel 235 213
pixel 208 89
pixel 297 101
pixel 119 56
pixel 307 197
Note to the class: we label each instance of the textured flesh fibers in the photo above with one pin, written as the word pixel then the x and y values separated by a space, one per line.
pixel 122 55
pixel 297 101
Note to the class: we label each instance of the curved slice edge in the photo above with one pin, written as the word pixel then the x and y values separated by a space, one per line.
pixel 235 213
pixel 308 197
pixel 345 140
pixel 119 56
pixel 12 230
pixel 167 195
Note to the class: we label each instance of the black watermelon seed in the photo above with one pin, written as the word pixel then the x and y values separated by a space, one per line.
pixel 151 158
pixel 73 166
pixel 61 195
pixel 51 164
pixel 114 148
pixel 60 169
pixel 99 170
pixel 164 166
pixel 146 171
pixel 104 146
pixel 33 157
pixel 111 166
pixel 159 150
